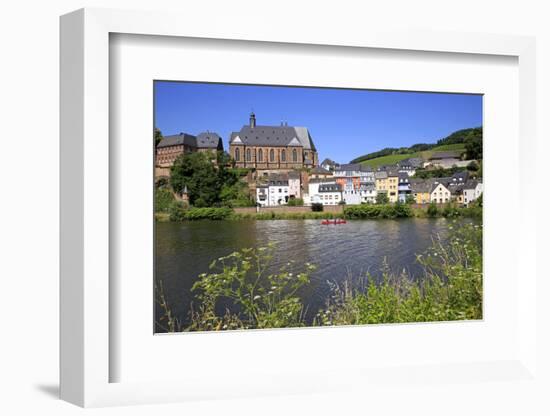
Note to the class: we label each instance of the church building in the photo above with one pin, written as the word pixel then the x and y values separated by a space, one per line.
pixel 272 147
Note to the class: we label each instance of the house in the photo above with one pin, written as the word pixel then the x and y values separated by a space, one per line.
pixel 444 160
pixel 381 182
pixel 473 189
pixel 294 184
pixel 170 147
pixel 328 186
pixel 278 190
pixel 353 176
pixel 262 195
pixel 409 165
pixel 403 186
pixel 366 194
pixel 320 173
pixel 420 190
pixel 272 148
pixel 393 183
pixel 329 164
pixel 439 193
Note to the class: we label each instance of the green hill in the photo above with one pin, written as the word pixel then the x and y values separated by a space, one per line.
pixel 456 141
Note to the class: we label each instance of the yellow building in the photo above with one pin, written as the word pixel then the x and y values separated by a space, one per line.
pixel 420 190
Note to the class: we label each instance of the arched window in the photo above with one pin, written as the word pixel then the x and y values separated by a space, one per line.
pixel 237 154
pixel 248 155
pixel 294 155
pixel 283 155
pixel 272 155
pixel 260 155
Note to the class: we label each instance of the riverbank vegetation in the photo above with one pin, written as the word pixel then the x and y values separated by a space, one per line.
pixel 179 211
pixel 449 288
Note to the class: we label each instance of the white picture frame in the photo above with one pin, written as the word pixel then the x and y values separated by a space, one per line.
pixel 86 355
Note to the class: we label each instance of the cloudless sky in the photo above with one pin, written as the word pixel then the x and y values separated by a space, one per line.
pixel 343 123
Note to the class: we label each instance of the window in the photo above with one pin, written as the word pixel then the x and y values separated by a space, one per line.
pixel 283 155
pixel 294 155
pixel 260 155
pixel 271 156
pixel 248 155
pixel 237 154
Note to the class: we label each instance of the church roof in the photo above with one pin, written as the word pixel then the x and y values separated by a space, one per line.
pixel 273 136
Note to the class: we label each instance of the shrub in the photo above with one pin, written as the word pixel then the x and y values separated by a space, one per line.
pixel 432 210
pixel 260 299
pixel 177 210
pixel 317 207
pixel 295 202
pixel 163 199
pixel 210 213
pixel 367 211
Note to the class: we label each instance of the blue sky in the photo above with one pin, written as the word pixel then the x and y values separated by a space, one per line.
pixel 344 124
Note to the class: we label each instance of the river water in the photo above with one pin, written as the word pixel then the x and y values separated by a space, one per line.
pixel 184 250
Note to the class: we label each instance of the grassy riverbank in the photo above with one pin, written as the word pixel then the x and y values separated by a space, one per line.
pixel 352 212
pixel 448 288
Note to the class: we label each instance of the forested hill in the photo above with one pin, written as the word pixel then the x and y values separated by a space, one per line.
pixel 458 140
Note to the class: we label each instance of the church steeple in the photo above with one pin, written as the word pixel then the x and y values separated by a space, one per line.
pixel 252 120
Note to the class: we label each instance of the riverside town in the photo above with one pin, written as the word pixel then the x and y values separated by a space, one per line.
pixel 262 225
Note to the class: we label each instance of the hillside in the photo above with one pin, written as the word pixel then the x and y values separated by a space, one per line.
pixel 456 141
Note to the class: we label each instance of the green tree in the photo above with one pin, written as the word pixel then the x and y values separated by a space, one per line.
pixel 157 135
pixel 410 199
pixel 474 147
pixel 196 173
pixel 382 198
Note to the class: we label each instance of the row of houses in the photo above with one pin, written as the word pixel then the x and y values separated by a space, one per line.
pixel 354 184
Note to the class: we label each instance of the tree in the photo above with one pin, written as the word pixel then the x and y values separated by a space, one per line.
pixel 157 135
pixel 410 199
pixel 196 172
pixel 474 147
pixel 382 198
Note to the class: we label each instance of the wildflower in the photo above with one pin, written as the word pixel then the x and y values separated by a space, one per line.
pixel 257 297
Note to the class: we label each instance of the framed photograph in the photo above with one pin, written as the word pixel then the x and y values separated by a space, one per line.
pixel 300 214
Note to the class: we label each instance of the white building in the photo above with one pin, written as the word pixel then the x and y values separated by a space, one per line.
pixel 472 191
pixel 365 195
pixel 440 193
pixel 294 185
pixel 278 191
pixel 326 193
pixel 262 196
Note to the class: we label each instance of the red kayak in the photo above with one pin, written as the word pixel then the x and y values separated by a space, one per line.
pixel 333 222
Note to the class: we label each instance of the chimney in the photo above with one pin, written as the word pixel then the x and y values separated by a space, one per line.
pixel 252 120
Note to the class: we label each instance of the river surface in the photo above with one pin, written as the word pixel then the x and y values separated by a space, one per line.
pixel 184 250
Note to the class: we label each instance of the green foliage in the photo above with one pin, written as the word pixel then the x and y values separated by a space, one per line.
pixel 451 289
pixel 317 207
pixel 157 134
pixel 409 199
pixel 260 299
pixel 177 210
pixel 163 199
pixel 450 210
pixel 208 184
pixel 210 213
pixel 432 210
pixel 382 198
pixel 368 211
pixel 295 202
pixel 474 147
